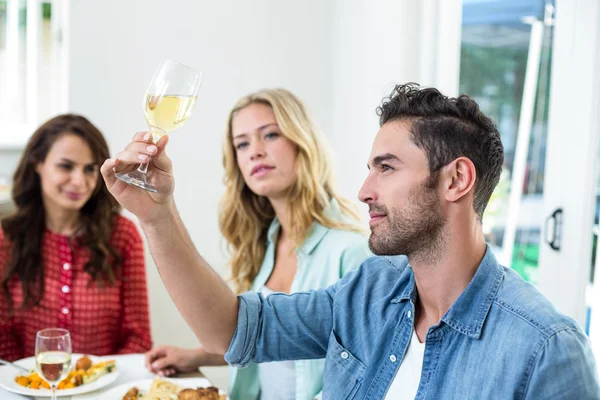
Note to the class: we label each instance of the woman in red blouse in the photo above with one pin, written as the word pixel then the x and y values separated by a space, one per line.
pixel 67 258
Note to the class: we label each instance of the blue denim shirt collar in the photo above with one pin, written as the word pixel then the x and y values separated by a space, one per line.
pixel 468 313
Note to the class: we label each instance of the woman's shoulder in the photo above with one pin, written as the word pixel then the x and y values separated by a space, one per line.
pixel 4 241
pixel 4 251
pixel 124 229
pixel 123 223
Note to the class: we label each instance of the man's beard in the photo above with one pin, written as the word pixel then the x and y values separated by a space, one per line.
pixel 415 230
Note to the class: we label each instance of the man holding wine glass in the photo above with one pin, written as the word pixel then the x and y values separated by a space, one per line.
pixel 168 103
pixel 433 316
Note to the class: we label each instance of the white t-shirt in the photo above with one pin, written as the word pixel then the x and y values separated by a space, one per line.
pixel 406 382
pixel 278 378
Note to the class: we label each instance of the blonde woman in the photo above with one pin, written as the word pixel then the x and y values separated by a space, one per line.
pixel 287 228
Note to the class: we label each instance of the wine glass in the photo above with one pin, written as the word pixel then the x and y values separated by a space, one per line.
pixel 168 103
pixel 53 355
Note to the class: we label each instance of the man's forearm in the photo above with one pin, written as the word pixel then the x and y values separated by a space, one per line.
pixel 201 296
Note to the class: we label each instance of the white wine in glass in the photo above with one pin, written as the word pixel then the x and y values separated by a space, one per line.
pixel 53 355
pixel 168 103
pixel 168 112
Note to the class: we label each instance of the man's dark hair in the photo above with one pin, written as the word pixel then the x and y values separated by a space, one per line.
pixel 446 128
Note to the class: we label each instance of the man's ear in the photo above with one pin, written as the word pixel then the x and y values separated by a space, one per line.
pixel 459 178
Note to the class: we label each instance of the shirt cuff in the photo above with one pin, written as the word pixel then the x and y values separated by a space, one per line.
pixel 243 343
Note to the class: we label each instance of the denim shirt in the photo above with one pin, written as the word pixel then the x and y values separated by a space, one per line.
pixel 501 339
pixel 323 258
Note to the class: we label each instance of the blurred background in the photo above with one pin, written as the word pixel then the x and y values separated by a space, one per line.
pixel 531 64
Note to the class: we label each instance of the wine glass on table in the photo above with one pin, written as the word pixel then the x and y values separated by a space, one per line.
pixel 168 103
pixel 53 355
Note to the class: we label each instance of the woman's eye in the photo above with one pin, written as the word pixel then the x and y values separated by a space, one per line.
pixel 241 145
pixel 90 169
pixel 66 167
pixel 272 135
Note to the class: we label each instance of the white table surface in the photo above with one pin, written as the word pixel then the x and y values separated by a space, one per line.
pixel 131 368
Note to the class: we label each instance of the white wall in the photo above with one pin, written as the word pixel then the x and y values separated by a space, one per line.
pixel 378 44
pixel 114 49
pixel 341 57
pixel 8 162
pixel 372 52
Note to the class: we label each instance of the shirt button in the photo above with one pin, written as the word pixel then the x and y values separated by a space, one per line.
pixel 65 310
pixel 344 355
pixel 393 358
pixel 409 314
pixel 65 289
pixel 66 266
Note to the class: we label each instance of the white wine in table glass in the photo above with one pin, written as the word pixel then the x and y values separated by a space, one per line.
pixel 168 103
pixel 53 355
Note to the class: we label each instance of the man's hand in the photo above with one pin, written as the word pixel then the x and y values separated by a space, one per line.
pixel 145 205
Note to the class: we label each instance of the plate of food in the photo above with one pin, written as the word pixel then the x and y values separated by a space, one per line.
pixel 166 389
pixel 89 373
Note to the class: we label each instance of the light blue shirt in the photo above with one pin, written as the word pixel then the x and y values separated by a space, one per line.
pixel 501 339
pixel 322 259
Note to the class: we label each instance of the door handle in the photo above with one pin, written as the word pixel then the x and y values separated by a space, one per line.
pixel 554 241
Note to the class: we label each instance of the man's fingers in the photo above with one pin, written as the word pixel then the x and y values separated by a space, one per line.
pixel 128 158
pixel 142 137
pixel 162 143
pixel 107 171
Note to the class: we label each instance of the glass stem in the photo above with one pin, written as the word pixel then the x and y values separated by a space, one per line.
pixel 53 392
pixel 143 168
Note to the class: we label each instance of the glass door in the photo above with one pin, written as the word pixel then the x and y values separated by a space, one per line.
pixel 505 64
pixel 532 65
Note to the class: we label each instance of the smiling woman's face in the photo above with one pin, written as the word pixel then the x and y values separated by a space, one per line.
pixel 266 158
pixel 68 175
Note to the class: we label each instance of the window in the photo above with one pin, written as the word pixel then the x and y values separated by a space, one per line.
pixel 505 66
pixel 32 66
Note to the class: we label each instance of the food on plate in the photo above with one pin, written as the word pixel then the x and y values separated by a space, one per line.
pixel 97 370
pixel 132 394
pixel 32 381
pixel 209 393
pixel 83 363
pixel 85 372
pixel 165 390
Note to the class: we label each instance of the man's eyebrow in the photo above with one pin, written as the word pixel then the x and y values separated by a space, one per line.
pixel 383 158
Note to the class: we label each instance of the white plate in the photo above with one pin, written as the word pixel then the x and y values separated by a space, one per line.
pixel 118 392
pixel 8 374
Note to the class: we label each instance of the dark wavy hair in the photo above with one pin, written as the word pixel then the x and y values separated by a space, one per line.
pixel 446 128
pixel 24 229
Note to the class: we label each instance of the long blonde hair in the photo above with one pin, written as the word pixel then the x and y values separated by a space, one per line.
pixel 245 217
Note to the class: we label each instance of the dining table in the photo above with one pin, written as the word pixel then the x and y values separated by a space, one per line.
pixel 131 368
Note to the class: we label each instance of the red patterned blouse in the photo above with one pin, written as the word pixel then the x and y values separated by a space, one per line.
pixel 102 319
